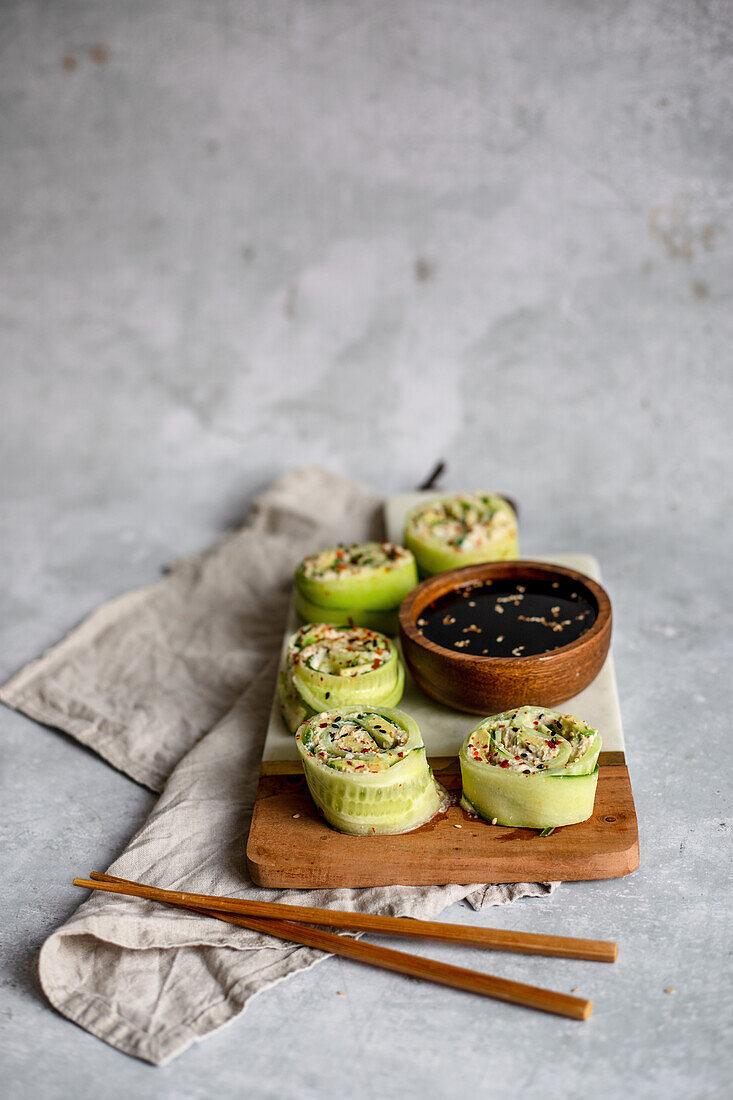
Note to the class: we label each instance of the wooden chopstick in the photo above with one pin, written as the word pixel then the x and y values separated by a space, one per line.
pixel 526 943
pixel 502 989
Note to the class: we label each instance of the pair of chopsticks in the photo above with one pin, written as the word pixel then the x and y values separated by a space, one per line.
pixel 292 923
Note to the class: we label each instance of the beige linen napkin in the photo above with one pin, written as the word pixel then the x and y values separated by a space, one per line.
pixel 141 681
pixel 145 676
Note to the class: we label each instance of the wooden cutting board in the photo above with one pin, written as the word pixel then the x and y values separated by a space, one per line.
pixel 291 846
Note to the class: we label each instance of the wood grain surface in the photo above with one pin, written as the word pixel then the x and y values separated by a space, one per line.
pixel 291 846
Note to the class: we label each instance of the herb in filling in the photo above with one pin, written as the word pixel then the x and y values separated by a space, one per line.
pixel 466 522
pixel 339 561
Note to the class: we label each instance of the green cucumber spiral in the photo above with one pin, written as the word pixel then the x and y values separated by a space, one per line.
pixel 530 768
pixel 361 584
pixel 465 529
pixel 386 622
pixel 367 771
pixel 329 666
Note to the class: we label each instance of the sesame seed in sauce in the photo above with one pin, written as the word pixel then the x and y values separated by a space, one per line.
pixel 530 613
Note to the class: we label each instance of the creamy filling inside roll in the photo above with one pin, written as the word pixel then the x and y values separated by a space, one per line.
pixel 367 771
pixel 328 666
pixel 360 584
pixel 464 529
pixel 530 767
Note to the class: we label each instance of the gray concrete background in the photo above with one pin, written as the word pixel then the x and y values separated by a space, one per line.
pixel 241 236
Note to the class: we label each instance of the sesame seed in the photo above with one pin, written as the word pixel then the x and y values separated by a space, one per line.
pixel 296 815
pixel 457 826
pixel 494 820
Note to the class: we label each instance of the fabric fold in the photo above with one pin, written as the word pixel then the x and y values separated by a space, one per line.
pixel 151 980
pixel 145 676
pixel 172 685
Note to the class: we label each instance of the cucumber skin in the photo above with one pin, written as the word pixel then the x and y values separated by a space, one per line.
pixel 423 806
pixel 380 589
pixel 386 622
pixel 527 801
pixel 346 692
pixel 435 557
pixel 408 786
pixel 293 708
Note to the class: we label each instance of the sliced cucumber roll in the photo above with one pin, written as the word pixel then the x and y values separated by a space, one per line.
pixel 329 666
pixel 356 584
pixel 387 622
pixel 530 768
pixel 461 530
pixel 367 771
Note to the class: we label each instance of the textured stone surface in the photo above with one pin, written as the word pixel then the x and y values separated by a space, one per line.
pixel 238 237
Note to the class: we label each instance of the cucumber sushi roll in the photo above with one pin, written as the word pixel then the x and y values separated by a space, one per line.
pixel 363 584
pixel 448 532
pixel 330 666
pixel 530 768
pixel 367 770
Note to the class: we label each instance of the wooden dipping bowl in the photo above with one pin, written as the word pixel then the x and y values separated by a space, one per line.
pixel 488 685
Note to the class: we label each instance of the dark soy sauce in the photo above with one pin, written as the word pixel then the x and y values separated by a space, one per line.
pixel 506 618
